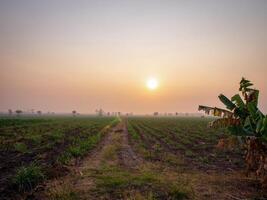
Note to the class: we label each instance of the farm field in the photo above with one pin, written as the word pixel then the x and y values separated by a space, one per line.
pixel 35 149
pixel 120 158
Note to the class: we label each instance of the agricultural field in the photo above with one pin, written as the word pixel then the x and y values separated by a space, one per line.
pixel 35 149
pixel 121 158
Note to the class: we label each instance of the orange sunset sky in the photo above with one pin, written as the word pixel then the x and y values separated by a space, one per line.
pixel 64 55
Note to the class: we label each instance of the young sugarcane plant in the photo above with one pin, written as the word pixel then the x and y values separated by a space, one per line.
pixel 243 118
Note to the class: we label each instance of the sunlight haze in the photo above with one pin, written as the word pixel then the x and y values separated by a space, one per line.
pixel 100 54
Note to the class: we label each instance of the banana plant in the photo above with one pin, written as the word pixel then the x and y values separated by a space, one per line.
pixel 242 115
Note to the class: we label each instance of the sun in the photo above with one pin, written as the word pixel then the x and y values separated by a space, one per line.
pixel 152 83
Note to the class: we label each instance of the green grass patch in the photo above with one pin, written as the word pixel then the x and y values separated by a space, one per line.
pixel 21 147
pixel 55 136
pixel 113 182
pixel 63 191
pixel 27 177
pixel 80 148
pixel 133 133
pixel 189 153
pixel 34 138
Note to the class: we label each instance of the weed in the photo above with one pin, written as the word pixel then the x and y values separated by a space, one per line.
pixel 62 192
pixel 189 153
pixel 204 160
pixel 115 181
pixel 133 133
pixel 173 159
pixel 27 177
pixel 20 147
pixel 64 158
pixel 55 136
pixel 34 138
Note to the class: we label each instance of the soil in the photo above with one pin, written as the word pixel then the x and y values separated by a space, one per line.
pixel 45 157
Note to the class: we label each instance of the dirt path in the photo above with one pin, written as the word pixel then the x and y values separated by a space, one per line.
pixel 114 150
pixel 127 156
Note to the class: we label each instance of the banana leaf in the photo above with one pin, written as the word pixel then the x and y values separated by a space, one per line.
pixel 255 97
pixel 252 110
pixel 263 129
pixel 237 130
pixel 229 105
pixel 243 80
pixel 238 101
pixel 259 125
pixel 243 118
pixel 244 84
pixel 247 125
pixel 224 122
pixel 240 113
pixel 215 111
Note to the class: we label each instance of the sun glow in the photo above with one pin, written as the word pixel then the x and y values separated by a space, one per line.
pixel 152 83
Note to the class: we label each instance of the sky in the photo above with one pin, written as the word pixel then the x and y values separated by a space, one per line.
pixel 81 55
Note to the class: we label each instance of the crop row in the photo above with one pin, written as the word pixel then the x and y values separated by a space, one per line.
pixel 187 141
pixel 35 149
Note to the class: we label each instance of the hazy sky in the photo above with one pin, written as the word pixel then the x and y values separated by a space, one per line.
pixel 64 55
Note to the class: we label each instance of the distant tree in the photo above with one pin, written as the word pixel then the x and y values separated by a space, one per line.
pixel 156 113
pixel 176 113
pixel 74 112
pixel 39 112
pixel 10 112
pixel 99 112
pixel 18 112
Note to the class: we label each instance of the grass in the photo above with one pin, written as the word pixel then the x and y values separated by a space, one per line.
pixel 81 146
pixel 115 182
pixel 133 133
pixel 109 152
pixel 34 138
pixel 79 149
pixel 55 136
pixel 173 160
pixel 27 177
pixel 189 153
pixel 62 192
pixel 20 147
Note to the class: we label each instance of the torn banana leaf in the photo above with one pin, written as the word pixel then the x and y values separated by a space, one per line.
pixel 224 122
pixel 218 112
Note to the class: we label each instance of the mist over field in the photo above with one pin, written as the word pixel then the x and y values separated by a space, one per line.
pixel 65 55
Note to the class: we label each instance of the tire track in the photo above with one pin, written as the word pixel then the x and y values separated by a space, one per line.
pixel 127 157
pixel 113 150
